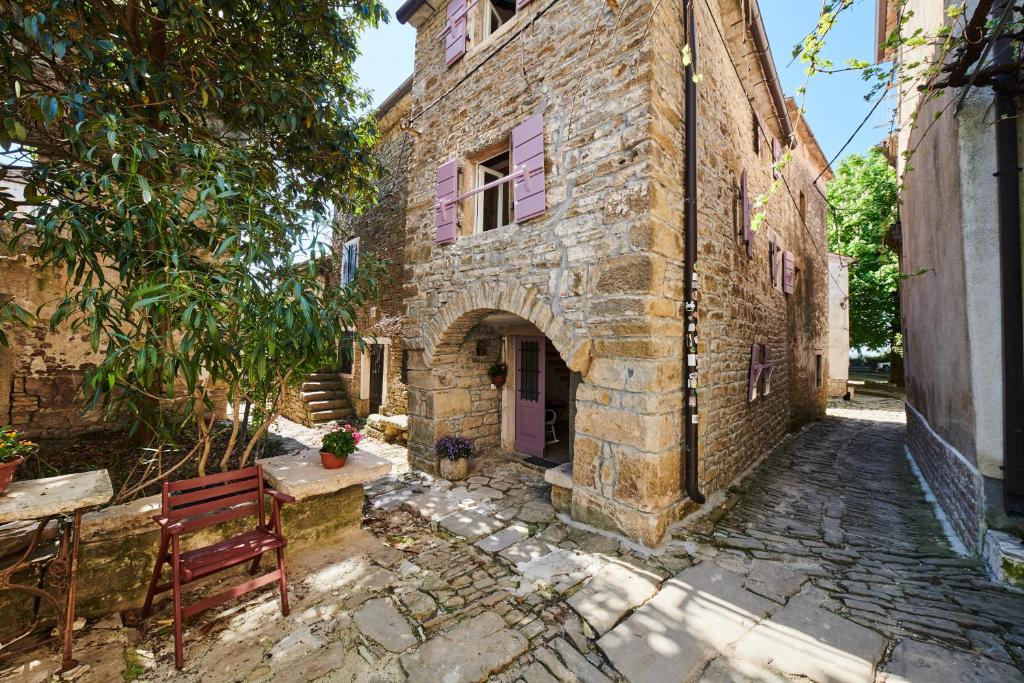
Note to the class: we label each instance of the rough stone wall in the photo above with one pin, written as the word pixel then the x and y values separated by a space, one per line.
pixel 957 485
pixel 381 232
pixel 40 371
pixel 600 273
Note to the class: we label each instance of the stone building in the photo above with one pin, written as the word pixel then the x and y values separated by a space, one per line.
pixel 961 310
pixel 546 201
pixel 369 375
pixel 838 324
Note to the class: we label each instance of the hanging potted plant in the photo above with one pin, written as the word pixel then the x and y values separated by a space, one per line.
pixel 454 453
pixel 12 453
pixel 498 372
pixel 338 445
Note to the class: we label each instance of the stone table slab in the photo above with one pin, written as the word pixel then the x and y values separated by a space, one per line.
pixel 37 498
pixel 468 653
pixel 696 615
pixel 611 594
pixel 302 475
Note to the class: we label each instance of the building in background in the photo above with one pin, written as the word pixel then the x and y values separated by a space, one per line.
pixel 838 324
pixel 960 215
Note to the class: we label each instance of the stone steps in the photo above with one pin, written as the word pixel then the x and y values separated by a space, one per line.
pixel 321 416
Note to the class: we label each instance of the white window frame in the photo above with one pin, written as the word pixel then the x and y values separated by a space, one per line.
pixel 488 9
pixel 354 241
pixel 482 179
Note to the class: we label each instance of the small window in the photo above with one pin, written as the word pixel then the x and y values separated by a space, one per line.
pixel 803 207
pixel 757 134
pixel 819 370
pixel 481 347
pixel 493 207
pixel 404 373
pixel 349 260
pixel 497 13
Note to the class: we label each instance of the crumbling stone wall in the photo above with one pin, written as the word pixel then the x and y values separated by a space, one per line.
pixel 40 370
pixel 600 273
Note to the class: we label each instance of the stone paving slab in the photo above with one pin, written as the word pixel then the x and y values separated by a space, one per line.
pixel 802 639
pixel 611 594
pixel 500 540
pixel 525 551
pixel 470 525
pixel 695 616
pixel 916 662
pixel 432 505
pixel 380 620
pixel 466 654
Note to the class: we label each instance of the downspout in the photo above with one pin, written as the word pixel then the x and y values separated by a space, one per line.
pixel 690 273
pixel 1008 193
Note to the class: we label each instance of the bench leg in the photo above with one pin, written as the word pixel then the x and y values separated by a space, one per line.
pixel 282 581
pixel 179 650
pixel 157 566
pixel 255 566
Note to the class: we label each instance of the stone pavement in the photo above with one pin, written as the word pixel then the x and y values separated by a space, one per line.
pixel 825 565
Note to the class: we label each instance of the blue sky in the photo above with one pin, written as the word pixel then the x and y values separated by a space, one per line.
pixel 835 104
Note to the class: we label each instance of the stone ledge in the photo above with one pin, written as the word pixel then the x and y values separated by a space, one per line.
pixel 1004 555
pixel 126 519
pixel 560 476
pixel 35 498
pixel 302 476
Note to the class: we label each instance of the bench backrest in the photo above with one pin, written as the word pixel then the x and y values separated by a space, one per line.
pixel 203 502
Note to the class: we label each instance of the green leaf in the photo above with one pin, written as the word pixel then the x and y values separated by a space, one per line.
pixel 147 193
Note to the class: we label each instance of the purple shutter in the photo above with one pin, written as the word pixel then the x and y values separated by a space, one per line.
pixel 768 369
pixel 520 4
pixel 747 218
pixel 787 272
pixel 447 190
pixel 529 198
pixel 455 32
pixel 777 261
pixel 755 371
pixel 776 157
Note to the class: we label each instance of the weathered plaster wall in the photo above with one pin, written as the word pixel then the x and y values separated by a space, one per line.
pixel 600 274
pixel 40 371
pixel 838 324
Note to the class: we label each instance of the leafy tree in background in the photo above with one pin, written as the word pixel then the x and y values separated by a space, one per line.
pixel 173 155
pixel 863 198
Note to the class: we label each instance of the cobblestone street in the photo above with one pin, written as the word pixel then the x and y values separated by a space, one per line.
pixel 825 564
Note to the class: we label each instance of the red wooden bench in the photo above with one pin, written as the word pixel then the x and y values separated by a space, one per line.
pixel 195 504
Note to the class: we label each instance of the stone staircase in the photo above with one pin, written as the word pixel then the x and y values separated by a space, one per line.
pixel 326 398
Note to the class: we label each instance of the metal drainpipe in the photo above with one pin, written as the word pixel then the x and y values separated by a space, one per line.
pixel 1008 191
pixel 690 272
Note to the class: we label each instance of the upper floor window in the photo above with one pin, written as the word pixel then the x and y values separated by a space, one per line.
pixel 493 207
pixel 349 260
pixel 497 13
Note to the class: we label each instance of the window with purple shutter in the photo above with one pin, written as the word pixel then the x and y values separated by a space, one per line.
pixel 520 4
pixel 447 208
pixel 529 198
pixel 455 31
pixel 768 369
pixel 788 268
pixel 775 255
pixel 755 372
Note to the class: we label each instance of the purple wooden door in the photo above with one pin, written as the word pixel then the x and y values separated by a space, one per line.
pixel 529 388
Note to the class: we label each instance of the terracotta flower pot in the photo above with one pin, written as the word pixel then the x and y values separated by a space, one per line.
pixel 330 461
pixel 454 470
pixel 7 472
pixel 499 381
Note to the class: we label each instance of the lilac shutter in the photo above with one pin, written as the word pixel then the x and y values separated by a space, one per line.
pixel 455 32
pixel 755 371
pixel 776 157
pixel 787 272
pixel 520 4
pixel 529 199
pixel 777 262
pixel 447 190
pixel 747 218
pixel 769 368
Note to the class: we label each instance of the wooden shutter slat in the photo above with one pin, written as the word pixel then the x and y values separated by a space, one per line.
pixel 755 371
pixel 529 195
pixel 748 232
pixel 788 268
pixel 769 368
pixel 447 189
pixel 455 36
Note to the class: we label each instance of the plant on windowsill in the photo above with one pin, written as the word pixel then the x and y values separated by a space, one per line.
pixel 454 453
pixel 338 445
pixel 498 373
pixel 12 453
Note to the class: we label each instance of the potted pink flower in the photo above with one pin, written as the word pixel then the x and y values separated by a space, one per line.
pixel 12 453
pixel 338 445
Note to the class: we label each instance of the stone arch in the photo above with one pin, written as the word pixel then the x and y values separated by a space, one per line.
pixel 456 317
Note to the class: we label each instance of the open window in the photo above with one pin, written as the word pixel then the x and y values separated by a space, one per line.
pixel 349 260
pixel 497 13
pixel 493 207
